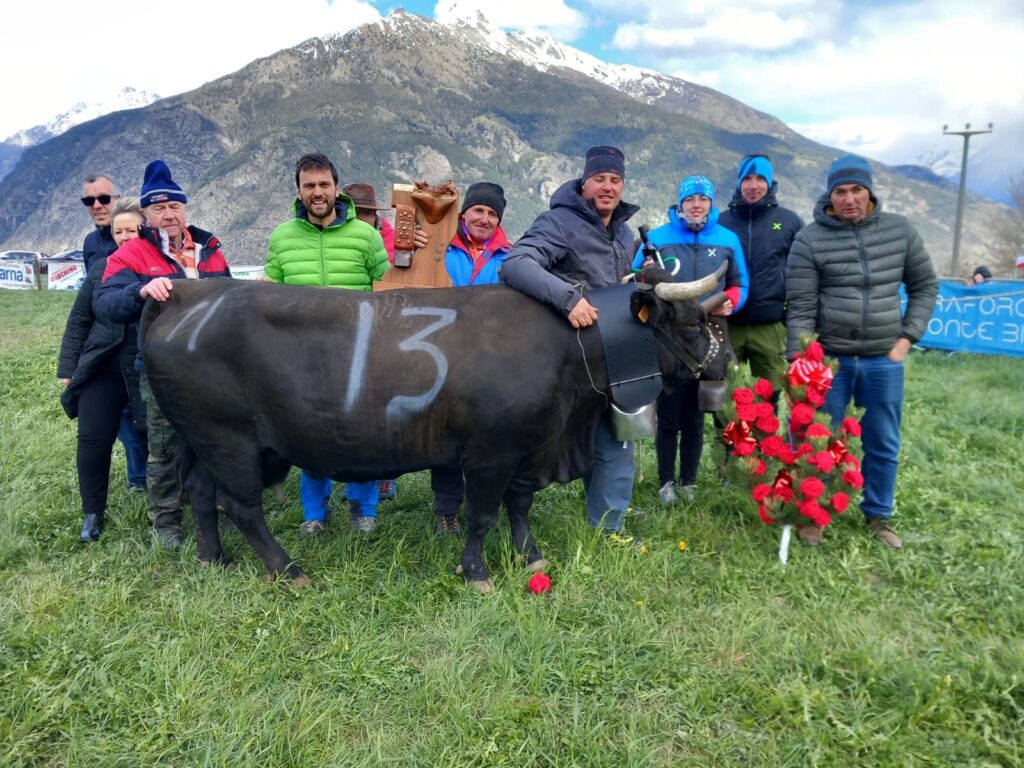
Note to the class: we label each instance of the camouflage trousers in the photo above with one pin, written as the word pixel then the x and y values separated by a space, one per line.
pixel 163 467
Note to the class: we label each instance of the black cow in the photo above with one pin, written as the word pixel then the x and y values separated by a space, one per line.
pixel 257 377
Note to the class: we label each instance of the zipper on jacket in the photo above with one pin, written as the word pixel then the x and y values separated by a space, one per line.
pixel 865 285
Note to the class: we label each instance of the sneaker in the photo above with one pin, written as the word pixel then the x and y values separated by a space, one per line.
pixel 137 487
pixel 667 493
pixel 811 535
pixel 880 530
pixel 365 524
pixel 310 529
pixel 169 537
pixel 387 489
pixel 623 539
pixel 688 492
pixel 448 525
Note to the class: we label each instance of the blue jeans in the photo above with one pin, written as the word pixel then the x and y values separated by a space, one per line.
pixel 135 449
pixel 609 486
pixel 875 384
pixel 316 490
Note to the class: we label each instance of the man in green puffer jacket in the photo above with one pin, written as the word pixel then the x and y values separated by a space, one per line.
pixel 843 281
pixel 326 245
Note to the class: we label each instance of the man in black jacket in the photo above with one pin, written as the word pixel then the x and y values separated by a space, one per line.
pixel 98 195
pixel 766 231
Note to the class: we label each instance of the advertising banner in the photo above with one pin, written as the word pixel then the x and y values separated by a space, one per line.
pixel 65 277
pixel 246 272
pixel 987 318
pixel 17 274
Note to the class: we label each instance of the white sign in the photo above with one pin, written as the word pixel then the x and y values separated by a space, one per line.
pixel 246 272
pixel 65 277
pixel 16 274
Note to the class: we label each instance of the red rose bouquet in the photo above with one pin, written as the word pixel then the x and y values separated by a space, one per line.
pixel 802 472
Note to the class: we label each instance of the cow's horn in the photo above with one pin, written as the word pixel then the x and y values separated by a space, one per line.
pixel 713 302
pixel 691 290
pixel 627 279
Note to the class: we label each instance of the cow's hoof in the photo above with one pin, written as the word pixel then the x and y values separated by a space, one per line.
pixel 537 565
pixel 224 562
pixel 279 493
pixel 483 586
pixel 302 581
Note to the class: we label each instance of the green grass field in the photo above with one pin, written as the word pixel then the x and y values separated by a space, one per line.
pixel 123 654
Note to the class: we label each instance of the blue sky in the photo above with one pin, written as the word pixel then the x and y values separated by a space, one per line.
pixel 880 78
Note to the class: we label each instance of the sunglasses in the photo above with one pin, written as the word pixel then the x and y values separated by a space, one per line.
pixel 90 201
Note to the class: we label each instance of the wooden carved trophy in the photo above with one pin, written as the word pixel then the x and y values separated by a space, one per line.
pixel 435 210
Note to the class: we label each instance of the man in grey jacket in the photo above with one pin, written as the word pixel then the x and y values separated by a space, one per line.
pixel 843 281
pixel 583 241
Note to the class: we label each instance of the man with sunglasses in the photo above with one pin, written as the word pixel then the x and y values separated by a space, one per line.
pixel 766 231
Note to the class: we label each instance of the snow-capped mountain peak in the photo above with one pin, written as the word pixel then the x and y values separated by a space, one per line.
pixel 126 98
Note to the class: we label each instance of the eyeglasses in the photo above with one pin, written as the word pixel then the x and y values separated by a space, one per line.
pixel 90 201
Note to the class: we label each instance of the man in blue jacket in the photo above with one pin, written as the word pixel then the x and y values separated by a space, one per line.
pixel 584 241
pixel 766 231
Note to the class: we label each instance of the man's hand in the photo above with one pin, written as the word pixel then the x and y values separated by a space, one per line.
pixel 899 350
pixel 419 238
pixel 158 289
pixel 66 382
pixel 583 315
pixel 724 309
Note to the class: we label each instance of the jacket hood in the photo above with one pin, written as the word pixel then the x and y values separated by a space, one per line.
pixel 569 196
pixel 343 206
pixel 826 219
pixel 677 224
pixel 742 206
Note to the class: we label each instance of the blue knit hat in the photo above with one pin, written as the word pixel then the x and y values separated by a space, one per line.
pixel 850 169
pixel 696 185
pixel 754 164
pixel 604 160
pixel 158 186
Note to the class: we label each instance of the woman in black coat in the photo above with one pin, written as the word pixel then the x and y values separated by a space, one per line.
pixel 97 366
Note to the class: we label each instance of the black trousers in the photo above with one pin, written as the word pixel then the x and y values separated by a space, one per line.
pixel 680 426
pixel 100 404
pixel 449 487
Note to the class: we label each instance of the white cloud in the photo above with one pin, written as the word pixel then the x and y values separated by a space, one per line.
pixel 552 16
pixel 55 53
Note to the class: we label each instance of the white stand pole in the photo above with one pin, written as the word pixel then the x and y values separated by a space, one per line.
pixel 787 532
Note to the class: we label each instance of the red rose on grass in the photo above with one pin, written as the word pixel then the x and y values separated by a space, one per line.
pixel 746 412
pixel 763 389
pixel 761 492
pixel 812 488
pixel 801 415
pixel 840 501
pixel 539 582
pixel 853 478
pixel 763 513
pixel 743 396
pixel 814 352
pixel 771 446
pixel 769 424
pixel 817 429
pixel 824 461
pixel 764 410
pixel 851 426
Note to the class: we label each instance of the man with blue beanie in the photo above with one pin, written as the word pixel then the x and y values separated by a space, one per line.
pixel 843 282
pixel 766 231
pixel 692 245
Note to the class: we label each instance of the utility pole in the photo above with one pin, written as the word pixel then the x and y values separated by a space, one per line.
pixel 966 133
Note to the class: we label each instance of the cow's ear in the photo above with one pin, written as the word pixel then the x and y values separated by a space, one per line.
pixel 646 307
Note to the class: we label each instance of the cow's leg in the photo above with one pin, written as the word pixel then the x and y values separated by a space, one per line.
pixel 251 521
pixel 201 488
pixel 483 502
pixel 518 504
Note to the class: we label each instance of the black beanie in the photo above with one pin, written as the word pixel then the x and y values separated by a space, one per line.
pixel 604 160
pixel 485 193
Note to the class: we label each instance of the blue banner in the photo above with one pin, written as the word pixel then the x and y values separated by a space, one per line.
pixel 987 318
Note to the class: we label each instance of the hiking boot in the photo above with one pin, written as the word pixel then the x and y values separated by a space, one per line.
pixel 365 524
pixel 811 535
pixel 688 493
pixel 91 527
pixel 667 494
pixel 169 536
pixel 310 529
pixel 880 530
pixel 448 525
pixel 623 539
pixel 387 489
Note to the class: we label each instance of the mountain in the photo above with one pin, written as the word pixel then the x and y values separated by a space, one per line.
pixel 14 146
pixel 407 98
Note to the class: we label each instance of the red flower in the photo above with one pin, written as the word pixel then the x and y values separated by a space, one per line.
pixel 759 468
pixel 761 492
pixel 743 396
pixel 787 455
pixel 824 461
pixel 764 410
pixel 804 448
pixel 801 415
pixel 814 352
pixel 539 582
pixel 853 478
pixel 851 426
pixel 814 397
pixel 763 389
pixel 813 511
pixel 746 448
pixel 747 412
pixel 769 424
pixel 851 461
pixel 817 429
pixel 764 515
pixel 772 445
pixel 840 501
pixel 812 488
